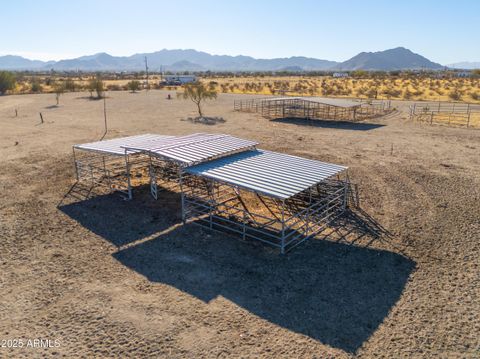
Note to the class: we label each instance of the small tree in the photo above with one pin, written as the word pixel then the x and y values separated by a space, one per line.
pixel 70 85
pixel 7 81
pixel 96 84
pixel 59 89
pixel 198 92
pixel 133 85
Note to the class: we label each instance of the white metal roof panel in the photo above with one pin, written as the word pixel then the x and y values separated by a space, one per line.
pixel 271 173
pixel 337 102
pixel 195 148
pixel 114 146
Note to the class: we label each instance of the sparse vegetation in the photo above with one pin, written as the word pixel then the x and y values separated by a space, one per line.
pixel 402 86
pixel 380 85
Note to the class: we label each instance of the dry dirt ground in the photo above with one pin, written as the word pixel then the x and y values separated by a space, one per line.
pixel 107 277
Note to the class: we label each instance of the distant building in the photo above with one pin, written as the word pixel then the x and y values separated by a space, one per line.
pixel 178 79
pixel 340 74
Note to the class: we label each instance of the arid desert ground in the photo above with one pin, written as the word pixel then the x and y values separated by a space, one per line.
pixel 113 278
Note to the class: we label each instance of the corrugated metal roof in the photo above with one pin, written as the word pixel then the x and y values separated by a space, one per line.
pixel 337 102
pixel 114 146
pixel 195 148
pixel 270 173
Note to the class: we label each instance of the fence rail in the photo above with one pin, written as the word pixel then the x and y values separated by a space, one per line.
pixel 446 113
pixel 302 108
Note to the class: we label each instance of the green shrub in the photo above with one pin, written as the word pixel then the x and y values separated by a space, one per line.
pixel 36 87
pixel 7 82
pixel 96 85
pixel 70 85
pixel 133 85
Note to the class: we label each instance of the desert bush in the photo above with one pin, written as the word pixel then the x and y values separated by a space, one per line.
pixel 407 94
pixel 327 90
pixel 361 91
pixel 115 87
pixel 24 88
pixel 475 96
pixel 359 74
pixel 455 95
pixel 224 88
pixel 36 87
pixel 7 82
pixel 371 93
pixel 133 85
pixel 418 92
pixel 391 92
pixel 70 85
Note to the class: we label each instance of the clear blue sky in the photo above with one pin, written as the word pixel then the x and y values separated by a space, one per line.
pixel 443 31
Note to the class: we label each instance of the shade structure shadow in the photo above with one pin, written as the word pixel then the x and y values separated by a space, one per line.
pixel 341 125
pixel 205 120
pixel 122 222
pixel 356 226
pixel 333 292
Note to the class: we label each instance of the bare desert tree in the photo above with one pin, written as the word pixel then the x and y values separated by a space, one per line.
pixel 197 92
pixel 59 89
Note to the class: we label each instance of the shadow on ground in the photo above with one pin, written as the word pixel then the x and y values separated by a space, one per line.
pixel 341 125
pixel 205 120
pixel 121 222
pixel 332 292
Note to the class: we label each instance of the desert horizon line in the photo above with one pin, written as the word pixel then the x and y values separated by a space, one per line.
pixel 52 57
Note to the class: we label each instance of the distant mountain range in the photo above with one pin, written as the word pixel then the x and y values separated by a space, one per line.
pixel 465 65
pixel 191 60
pixel 399 58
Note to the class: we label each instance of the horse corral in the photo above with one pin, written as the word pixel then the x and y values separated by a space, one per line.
pixel 313 108
pixel 225 182
pixel 450 114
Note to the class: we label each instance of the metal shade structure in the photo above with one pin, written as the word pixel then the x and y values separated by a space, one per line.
pixel 276 198
pixel 193 149
pixel 115 147
pixel 226 183
pixel 105 165
pixel 270 173
pixel 169 156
